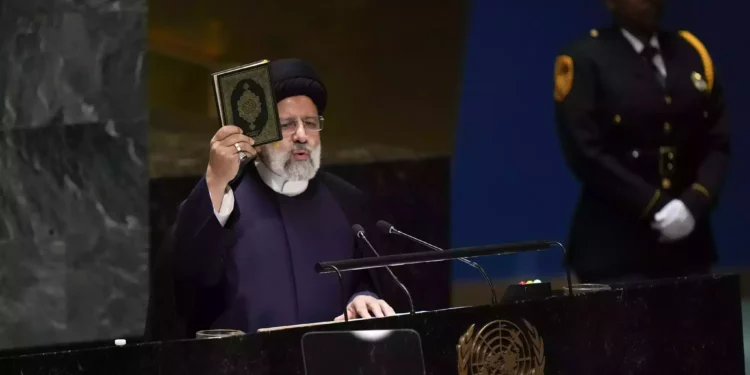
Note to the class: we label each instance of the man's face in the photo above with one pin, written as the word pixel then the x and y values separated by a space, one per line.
pixel 641 15
pixel 297 156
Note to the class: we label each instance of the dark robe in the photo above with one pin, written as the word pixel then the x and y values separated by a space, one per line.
pixel 258 269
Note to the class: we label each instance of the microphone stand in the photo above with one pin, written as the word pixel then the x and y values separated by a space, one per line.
pixel 437 256
pixel 343 293
pixel 361 234
pixel 393 230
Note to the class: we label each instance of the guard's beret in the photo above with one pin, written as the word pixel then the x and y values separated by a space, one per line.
pixel 293 77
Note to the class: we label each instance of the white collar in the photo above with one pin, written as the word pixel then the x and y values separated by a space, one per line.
pixel 637 44
pixel 278 183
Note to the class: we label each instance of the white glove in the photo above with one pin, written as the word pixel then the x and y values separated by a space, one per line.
pixel 674 221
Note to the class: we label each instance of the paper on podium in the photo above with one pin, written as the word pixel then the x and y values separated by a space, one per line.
pixel 279 328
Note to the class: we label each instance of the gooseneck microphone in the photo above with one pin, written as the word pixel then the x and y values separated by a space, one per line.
pixel 386 227
pixel 359 232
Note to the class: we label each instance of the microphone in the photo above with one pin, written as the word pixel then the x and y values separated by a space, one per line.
pixel 388 228
pixel 359 232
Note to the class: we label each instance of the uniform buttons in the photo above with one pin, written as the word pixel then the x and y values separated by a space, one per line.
pixel 670 166
pixel 617 119
pixel 667 127
pixel 670 156
pixel 668 99
pixel 635 154
pixel 705 114
pixel 666 183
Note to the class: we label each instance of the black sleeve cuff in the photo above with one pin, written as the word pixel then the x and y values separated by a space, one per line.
pixel 657 202
pixel 200 239
pixel 697 199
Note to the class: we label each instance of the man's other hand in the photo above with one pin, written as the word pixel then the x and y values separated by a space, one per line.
pixel 366 307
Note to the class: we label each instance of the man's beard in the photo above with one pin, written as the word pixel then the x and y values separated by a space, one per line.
pixel 283 164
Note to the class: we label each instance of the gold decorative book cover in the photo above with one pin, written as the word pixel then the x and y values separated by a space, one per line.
pixel 244 98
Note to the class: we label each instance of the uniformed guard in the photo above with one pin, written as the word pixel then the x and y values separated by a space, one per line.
pixel 641 120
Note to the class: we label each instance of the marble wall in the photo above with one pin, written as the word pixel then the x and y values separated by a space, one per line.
pixel 73 171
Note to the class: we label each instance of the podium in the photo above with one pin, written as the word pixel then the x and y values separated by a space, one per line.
pixel 674 326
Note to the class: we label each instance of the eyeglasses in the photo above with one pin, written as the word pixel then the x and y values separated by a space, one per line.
pixel 310 124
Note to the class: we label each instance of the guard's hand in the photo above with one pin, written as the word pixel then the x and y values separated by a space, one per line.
pixel 366 307
pixel 674 221
pixel 224 159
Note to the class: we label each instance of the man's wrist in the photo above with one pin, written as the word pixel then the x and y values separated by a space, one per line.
pixel 216 189
pixel 214 183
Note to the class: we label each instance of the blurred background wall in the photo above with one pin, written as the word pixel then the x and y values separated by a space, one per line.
pixel 392 69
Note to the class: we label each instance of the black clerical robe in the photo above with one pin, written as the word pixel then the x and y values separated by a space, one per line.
pixel 258 269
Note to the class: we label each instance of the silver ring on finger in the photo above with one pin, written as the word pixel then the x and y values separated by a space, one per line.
pixel 242 155
pixel 237 146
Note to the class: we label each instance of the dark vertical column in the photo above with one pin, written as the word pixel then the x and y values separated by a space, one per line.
pixel 73 170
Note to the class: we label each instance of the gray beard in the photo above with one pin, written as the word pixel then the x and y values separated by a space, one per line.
pixel 283 165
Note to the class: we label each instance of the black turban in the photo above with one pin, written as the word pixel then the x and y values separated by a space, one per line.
pixel 293 77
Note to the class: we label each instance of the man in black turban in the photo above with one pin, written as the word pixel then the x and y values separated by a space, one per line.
pixel 246 240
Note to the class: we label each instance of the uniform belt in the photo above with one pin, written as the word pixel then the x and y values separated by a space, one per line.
pixel 667 159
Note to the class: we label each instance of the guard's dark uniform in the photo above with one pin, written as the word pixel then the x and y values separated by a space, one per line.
pixel 635 145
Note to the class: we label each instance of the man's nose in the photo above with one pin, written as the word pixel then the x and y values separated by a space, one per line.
pixel 300 135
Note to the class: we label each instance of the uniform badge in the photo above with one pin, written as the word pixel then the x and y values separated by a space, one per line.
pixel 698 81
pixel 563 77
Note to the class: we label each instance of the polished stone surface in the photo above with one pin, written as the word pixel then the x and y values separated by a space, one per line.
pixel 680 326
pixel 73 192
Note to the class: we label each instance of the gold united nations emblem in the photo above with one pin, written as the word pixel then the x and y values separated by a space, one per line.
pixel 501 348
